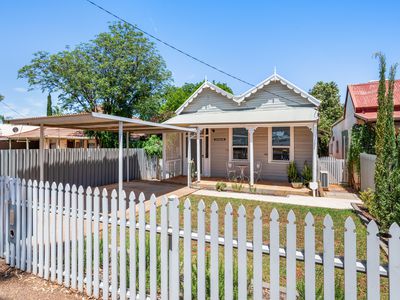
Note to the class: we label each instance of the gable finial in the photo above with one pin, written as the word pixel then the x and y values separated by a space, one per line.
pixel 205 78
pixel 275 70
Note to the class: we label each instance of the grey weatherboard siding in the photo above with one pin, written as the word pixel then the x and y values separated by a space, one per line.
pixel 270 171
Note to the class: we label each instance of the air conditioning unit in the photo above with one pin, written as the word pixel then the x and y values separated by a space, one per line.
pixel 324 179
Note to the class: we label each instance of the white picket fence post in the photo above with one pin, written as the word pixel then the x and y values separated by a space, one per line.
pixel 105 262
pixel 132 246
pixel 291 256
pixel 214 255
pixel 59 230
pixel 228 252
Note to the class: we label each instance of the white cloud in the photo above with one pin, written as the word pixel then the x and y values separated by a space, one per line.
pixel 155 28
pixel 20 90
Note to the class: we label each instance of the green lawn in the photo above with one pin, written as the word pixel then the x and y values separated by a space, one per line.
pixel 338 216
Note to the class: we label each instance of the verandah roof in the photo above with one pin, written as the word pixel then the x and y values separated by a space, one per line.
pixel 293 115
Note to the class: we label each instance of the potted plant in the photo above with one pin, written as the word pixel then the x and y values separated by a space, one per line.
pixel 293 176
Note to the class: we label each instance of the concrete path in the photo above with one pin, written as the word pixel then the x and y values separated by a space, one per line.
pixel 323 202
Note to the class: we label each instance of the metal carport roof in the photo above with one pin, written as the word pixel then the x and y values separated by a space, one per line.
pixel 97 122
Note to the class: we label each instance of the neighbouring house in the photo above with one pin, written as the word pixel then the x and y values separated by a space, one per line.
pixel 262 129
pixel 361 106
pixel 28 137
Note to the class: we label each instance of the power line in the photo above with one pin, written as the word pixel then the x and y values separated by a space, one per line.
pixel 169 45
pixel 179 50
pixel 12 109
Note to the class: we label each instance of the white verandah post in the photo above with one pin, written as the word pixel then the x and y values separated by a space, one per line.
pixel 127 156
pixel 198 150
pixel 251 154
pixel 189 161
pixel 315 155
pixel 120 156
pixel 164 158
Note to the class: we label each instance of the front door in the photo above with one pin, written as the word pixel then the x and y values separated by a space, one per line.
pixel 193 153
pixel 204 154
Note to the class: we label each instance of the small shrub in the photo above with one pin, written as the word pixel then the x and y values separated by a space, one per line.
pixel 252 189
pixel 237 187
pixel 306 174
pixel 368 197
pixel 193 172
pixel 220 186
pixel 293 175
pixel 153 146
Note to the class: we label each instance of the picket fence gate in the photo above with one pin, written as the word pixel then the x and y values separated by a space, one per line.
pixel 54 231
pixel 336 168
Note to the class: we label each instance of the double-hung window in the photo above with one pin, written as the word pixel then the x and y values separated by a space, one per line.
pixel 281 143
pixel 240 143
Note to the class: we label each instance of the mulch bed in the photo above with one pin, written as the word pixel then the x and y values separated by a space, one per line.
pixel 16 284
pixel 366 217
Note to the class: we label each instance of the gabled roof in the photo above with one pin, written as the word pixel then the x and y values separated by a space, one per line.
pixel 273 78
pixel 243 97
pixel 206 85
pixel 365 95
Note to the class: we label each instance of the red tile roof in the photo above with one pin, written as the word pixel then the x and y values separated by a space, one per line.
pixel 364 96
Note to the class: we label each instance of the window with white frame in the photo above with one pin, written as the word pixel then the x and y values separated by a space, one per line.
pixel 281 143
pixel 240 143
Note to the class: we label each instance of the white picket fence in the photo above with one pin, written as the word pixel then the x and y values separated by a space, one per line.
pixel 336 168
pixel 54 231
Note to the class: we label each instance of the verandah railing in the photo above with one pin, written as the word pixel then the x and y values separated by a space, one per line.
pixel 57 230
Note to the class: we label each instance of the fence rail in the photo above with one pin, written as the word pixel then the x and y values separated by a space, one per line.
pixel 336 168
pixel 57 230
pixel 86 167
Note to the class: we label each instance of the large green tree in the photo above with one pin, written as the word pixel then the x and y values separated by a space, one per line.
pixel 387 182
pixel 119 72
pixel 330 111
pixel 175 96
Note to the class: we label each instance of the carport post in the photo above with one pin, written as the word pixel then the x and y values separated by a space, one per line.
pixel 120 156
pixel 41 154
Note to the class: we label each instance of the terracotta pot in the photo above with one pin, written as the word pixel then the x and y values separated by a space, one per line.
pixel 297 185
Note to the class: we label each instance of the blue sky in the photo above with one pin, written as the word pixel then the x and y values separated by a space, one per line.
pixel 307 41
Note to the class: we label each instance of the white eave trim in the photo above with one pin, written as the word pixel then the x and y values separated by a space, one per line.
pixel 209 85
pixel 276 77
pixel 240 98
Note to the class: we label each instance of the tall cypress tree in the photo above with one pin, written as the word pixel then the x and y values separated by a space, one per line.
pixel 385 147
pixel 49 105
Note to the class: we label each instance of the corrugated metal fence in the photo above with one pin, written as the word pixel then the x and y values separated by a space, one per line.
pixel 95 167
pixel 367 171
pixel 121 250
